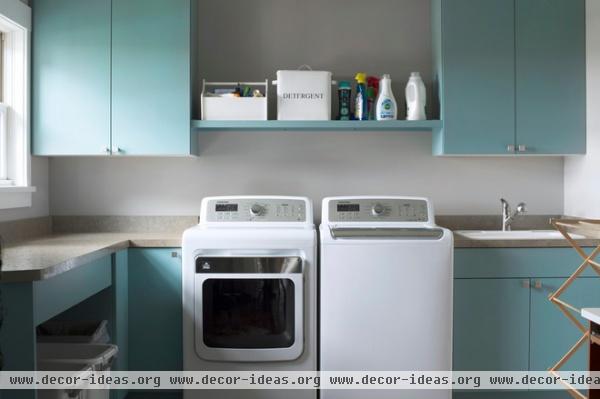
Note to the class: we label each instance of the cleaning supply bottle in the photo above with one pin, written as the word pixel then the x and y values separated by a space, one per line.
pixel 387 109
pixel 344 97
pixel 360 102
pixel 372 92
pixel 416 98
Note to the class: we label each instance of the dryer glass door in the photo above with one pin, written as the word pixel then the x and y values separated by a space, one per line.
pixel 249 308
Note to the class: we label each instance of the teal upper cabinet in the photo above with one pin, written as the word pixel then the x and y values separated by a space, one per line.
pixel 510 76
pixel 112 77
pixel 151 87
pixel 551 82
pixel 71 77
pixel 476 76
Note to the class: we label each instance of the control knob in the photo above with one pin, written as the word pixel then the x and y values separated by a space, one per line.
pixel 257 210
pixel 377 210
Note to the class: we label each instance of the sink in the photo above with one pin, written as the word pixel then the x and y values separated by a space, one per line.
pixel 514 235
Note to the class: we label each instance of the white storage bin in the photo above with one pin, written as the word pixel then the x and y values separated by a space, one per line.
pixel 75 370
pixel 216 108
pixel 303 95
pixel 98 357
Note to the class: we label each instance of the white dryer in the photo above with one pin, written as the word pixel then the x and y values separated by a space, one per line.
pixel 249 291
pixel 386 291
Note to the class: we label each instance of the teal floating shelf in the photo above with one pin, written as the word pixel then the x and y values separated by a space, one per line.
pixel 319 126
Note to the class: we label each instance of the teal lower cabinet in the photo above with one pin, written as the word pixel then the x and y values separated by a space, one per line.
pixel 155 314
pixel 503 319
pixel 552 334
pixel 491 316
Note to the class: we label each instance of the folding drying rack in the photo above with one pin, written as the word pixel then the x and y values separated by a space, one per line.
pixel 590 230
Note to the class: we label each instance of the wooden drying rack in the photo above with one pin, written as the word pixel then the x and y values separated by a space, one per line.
pixel 589 229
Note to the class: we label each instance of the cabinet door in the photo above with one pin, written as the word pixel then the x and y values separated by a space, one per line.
pixel 551 69
pixel 491 324
pixel 155 315
pixel 151 77
pixel 552 334
pixel 478 83
pixel 71 77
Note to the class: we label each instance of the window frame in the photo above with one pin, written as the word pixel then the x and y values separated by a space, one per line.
pixel 15 166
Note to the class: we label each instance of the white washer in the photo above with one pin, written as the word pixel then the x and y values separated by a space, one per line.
pixel 386 291
pixel 249 291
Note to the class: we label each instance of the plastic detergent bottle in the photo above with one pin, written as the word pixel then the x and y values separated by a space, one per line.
pixel 360 102
pixel 344 97
pixel 387 109
pixel 416 98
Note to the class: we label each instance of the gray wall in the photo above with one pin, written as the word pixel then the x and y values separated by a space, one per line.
pixel 311 164
pixel 243 40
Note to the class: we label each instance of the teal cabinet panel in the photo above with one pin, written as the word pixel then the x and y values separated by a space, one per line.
pixel 155 314
pixel 517 262
pixel 71 77
pixel 551 76
pixel 151 83
pixel 120 315
pixel 491 325
pixel 552 334
pixel 59 293
pixel 17 335
pixel 477 65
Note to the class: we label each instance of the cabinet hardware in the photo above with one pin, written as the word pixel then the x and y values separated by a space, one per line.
pixel 538 285
pixel 116 150
pixel 525 284
pixel 522 148
pixel 510 148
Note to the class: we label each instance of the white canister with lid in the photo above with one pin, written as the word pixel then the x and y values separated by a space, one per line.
pixel 416 98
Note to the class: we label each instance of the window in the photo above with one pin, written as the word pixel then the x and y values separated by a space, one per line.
pixel 15 176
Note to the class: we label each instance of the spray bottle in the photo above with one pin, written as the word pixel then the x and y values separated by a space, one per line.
pixel 360 102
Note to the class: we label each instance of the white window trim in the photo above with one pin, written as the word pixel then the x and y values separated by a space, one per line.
pixel 15 186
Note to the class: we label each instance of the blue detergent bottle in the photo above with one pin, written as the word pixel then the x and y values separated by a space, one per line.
pixel 361 112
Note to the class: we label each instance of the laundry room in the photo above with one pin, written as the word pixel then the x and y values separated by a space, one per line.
pixel 333 199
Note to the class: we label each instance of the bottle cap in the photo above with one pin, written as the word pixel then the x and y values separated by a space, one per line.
pixel 415 75
pixel 386 76
pixel 344 84
pixel 361 77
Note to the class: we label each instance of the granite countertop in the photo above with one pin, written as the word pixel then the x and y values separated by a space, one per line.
pixel 65 243
pixel 45 257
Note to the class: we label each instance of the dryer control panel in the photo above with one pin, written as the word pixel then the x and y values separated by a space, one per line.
pixel 378 210
pixel 256 210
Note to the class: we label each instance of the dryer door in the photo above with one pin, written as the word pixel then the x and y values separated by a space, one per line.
pixel 249 309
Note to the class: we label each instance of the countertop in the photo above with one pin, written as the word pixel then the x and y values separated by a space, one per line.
pixel 45 257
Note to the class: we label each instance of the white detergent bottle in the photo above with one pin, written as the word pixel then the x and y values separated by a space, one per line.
pixel 386 108
pixel 416 98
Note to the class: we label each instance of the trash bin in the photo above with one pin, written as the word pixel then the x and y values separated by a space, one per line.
pixel 98 357
pixel 77 370
pixel 85 332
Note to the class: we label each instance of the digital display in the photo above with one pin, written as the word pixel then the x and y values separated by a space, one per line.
pixel 348 208
pixel 226 208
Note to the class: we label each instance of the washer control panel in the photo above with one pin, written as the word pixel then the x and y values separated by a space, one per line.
pixel 378 210
pixel 256 210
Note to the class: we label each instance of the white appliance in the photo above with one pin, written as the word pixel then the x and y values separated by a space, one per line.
pixel 386 291
pixel 249 291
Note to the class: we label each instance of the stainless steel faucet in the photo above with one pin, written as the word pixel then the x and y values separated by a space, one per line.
pixel 507 216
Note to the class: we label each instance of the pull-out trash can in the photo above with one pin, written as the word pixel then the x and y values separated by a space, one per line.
pixel 98 357
pixel 84 332
pixel 75 369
